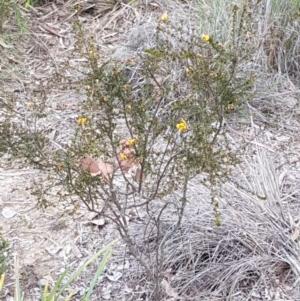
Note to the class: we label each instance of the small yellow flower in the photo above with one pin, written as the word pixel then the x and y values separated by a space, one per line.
pixel 122 156
pixel 164 17
pixel 181 126
pixel 128 107
pixel 205 37
pixel 187 70
pixel 82 120
pixel 91 52
pixel 131 141
pixel 230 107
pixel 58 167
pixel 88 87
pixel 30 104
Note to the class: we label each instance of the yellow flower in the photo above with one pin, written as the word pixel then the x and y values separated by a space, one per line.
pixel 205 37
pixel 30 104
pixel 82 120
pixel 91 52
pixel 58 167
pixel 122 156
pixel 131 60
pixel 164 17
pixel 230 107
pixel 128 107
pixel 187 70
pixel 181 126
pixel 131 141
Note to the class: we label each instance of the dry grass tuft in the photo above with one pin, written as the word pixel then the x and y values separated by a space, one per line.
pixel 254 253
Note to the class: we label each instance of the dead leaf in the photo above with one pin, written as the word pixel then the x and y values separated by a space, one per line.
pixel 295 233
pixel 76 251
pixel 126 164
pixel 98 222
pixel 105 169
pixel 139 176
pixel 52 250
pixel 90 215
pixel 89 164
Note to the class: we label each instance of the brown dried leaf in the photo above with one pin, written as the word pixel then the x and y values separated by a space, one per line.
pixel 89 164
pixel 139 176
pixel 106 169
pixel 126 164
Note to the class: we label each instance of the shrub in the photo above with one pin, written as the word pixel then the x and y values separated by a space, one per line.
pixel 148 124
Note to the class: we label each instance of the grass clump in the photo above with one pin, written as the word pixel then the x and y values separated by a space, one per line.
pixel 61 285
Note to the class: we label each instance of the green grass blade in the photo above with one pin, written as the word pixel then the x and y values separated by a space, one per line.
pixel 57 284
pixel 103 250
pixel 45 291
pixel 97 274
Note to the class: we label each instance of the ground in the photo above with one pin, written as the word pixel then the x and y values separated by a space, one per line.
pixel 46 240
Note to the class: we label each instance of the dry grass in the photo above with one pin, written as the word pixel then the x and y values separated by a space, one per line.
pixel 253 254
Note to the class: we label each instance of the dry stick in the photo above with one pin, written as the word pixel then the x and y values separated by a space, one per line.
pixel 111 138
pixel 148 133
pixel 123 231
pixel 160 250
pixel 165 152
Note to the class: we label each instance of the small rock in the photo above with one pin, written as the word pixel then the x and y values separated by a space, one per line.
pixel 8 212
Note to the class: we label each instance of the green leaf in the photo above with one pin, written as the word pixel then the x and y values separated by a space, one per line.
pixel 103 250
pixel 57 284
pixel 100 269
pixel 155 52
